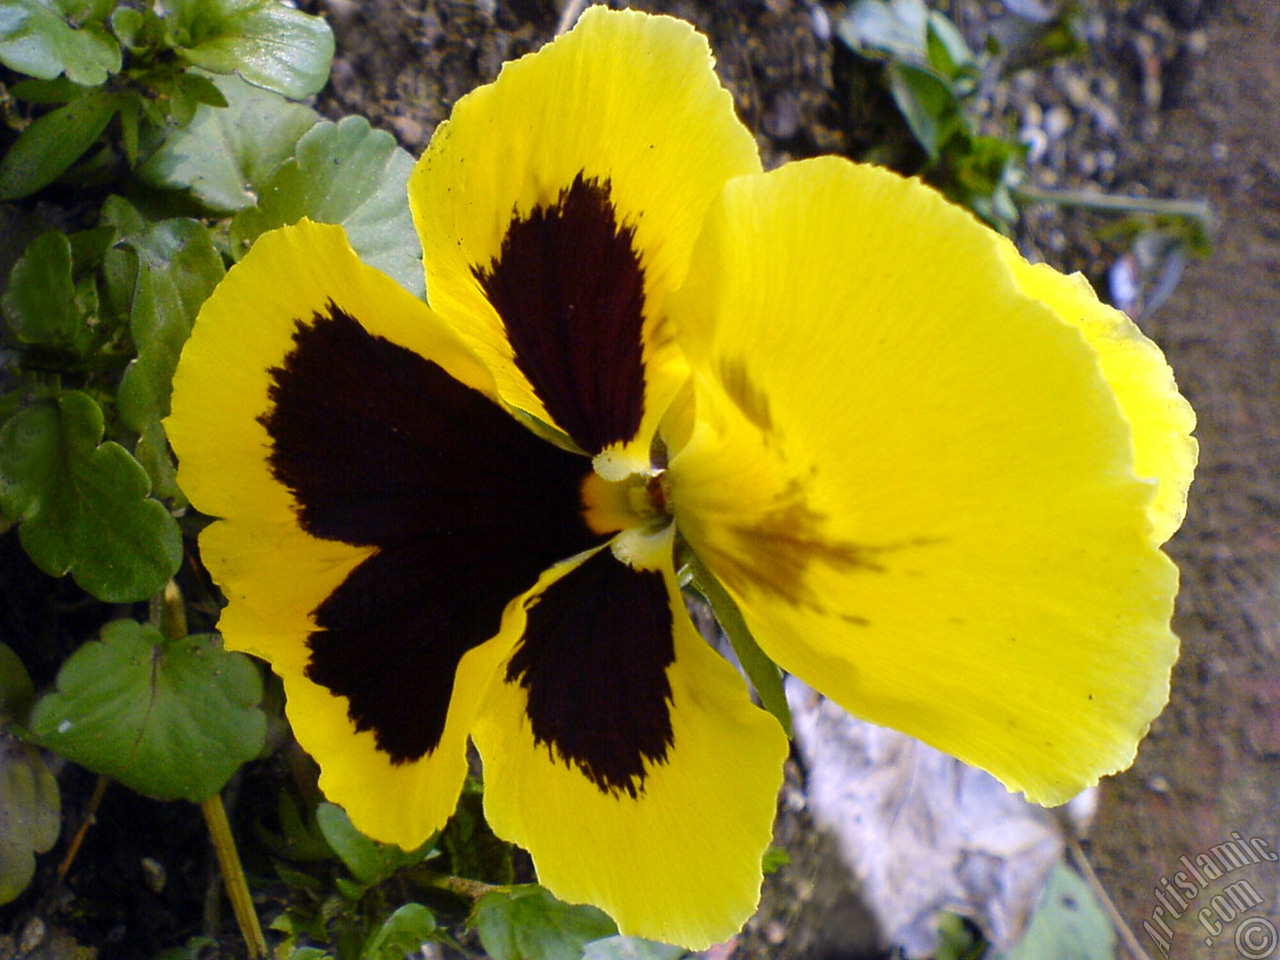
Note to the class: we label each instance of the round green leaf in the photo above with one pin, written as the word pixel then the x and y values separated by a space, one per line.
pixel 369 861
pixel 224 156
pixel 83 504
pixel 1069 923
pixel 171 719
pixel 353 175
pixel 401 934
pixel 270 45
pixel 16 690
pixel 29 814
pixel 53 142
pixel 178 267
pixel 528 923
pixel 40 303
pixel 37 39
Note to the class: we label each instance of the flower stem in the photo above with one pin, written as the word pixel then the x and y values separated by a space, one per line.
pixel 224 845
pixel 1198 211
pixel 458 886
pixel 761 670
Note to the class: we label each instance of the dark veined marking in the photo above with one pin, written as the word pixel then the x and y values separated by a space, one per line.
pixel 594 661
pixel 774 554
pixel 569 287
pixel 381 447
pixel 748 398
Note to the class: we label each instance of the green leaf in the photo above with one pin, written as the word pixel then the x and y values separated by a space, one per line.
pixel 948 52
pixel 123 216
pixel 16 690
pixel 129 26
pixel 349 174
pixel 138 30
pixel 470 844
pixel 774 859
pixel 300 838
pixel 760 670
pixel 58 90
pixel 632 948
pixel 52 143
pixel 224 156
pixel 172 719
pixel 369 861
pixel 402 933
pixel 201 89
pixel 37 39
pixel 88 247
pixel 268 44
pixel 83 504
pixel 959 939
pixel 927 102
pixel 152 453
pixel 178 267
pixel 30 816
pixel 40 303
pixel 1069 923
pixel 528 923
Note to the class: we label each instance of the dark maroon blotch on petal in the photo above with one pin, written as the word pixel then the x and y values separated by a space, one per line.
pixel 594 661
pixel 381 447
pixel 569 287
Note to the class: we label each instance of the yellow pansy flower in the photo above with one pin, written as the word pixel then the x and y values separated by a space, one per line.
pixel 934 478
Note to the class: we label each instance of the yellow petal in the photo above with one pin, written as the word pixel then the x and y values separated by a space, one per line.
pixel 674 852
pixel 1161 418
pixel 404 803
pixel 915 480
pixel 247 327
pixel 625 101
pixel 376 522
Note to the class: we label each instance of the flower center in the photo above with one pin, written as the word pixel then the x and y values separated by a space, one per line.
pixel 635 502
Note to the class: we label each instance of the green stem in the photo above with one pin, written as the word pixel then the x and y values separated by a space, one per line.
pixel 458 886
pixel 760 669
pixel 1197 210
pixel 168 612
pixel 224 845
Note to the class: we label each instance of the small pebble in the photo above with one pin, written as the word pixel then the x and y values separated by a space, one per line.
pixel 1077 88
pixel 1159 784
pixel 1036 143
pixel 32 935
pixel 821 23
pixel 1220 152
pixel 1056 122
pixel 782 119
pixel 153 875
pixel 410 132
